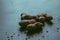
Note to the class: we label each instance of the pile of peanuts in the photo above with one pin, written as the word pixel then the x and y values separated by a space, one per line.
pixel 33 22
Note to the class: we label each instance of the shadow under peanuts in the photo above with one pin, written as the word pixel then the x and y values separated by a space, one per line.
pixel 22 29
pixel 49 23
pixel 34 24
pixel 31 31
pixel 34 31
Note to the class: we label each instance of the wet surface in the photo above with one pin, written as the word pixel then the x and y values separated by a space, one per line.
pixel 11 16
